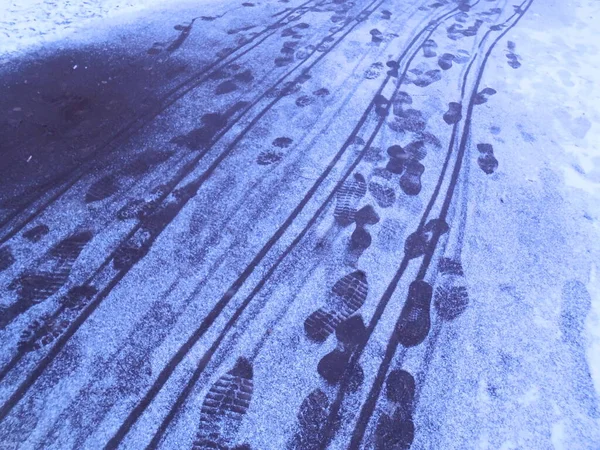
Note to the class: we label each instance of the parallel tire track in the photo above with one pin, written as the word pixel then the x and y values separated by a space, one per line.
pixel 369 406
pixel 169 369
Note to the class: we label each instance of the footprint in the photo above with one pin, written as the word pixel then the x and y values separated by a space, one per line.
pixel 385 14
pixel 381 105
pixel 35 286
pixel 454 113
pixel 376 36
pixel 78 297
pixel 223 53
pixel 482 96
pixel 333 365
pixel 184 30
pixel 430 140
pixel 373 154
pixel 137 246
pixel 393 65
pixel 337 18
pixel 427 78
pixel 513 61
pixel 282 61
pixel 36 233
pixel 6 258
pixel 41 332
pixel 416 244
pixel 287 88
pixel 225 406
pixel 410 120
pixel 486 160
pixel 347 296
pixel 461 17
pixel 360 239
pixel 226 87
pixel 491 12
pixel 212 123
pixel 325 44
pixel 268 157
pixel 303 77
pixel 366 216
pixel 228 71
pixel 382 191
pixel 390 235
pixel 402 98
pixel 132 250
pixel 398 159
pixel 400 389
pixel 282 142
pixel 323 92
pixel 103 188
pixel 445 61
pixel 429 47
pixel 456 31
pixel 410 181
pixel 357 140
pixel 396 432
pixel 245 76
pixel 415 322
pixel 347 199
pixel 312 421
pixel 237 30
pixel 374 71
pixel 451 298
pixel 304 100
pixel 416 149
pixel 351 331
pixel 462 56
pixel 140 208
pixel 146 161
pixel 288 32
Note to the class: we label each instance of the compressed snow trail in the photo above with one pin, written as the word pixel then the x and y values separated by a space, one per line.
pixel 299 224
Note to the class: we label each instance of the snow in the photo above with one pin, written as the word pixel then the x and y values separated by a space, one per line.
pixel 518 368
pixel 28 24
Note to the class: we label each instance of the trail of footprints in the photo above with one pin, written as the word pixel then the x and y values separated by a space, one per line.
pixel 229 398
pixel 153 210
pixel 50 274
pixel 395 427
pixel 394 430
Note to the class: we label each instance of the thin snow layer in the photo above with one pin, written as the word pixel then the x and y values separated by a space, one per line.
pixel 28 24
pixel 209 296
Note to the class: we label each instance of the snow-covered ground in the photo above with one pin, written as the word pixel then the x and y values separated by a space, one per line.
pixel 300 225
pixel 29 24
